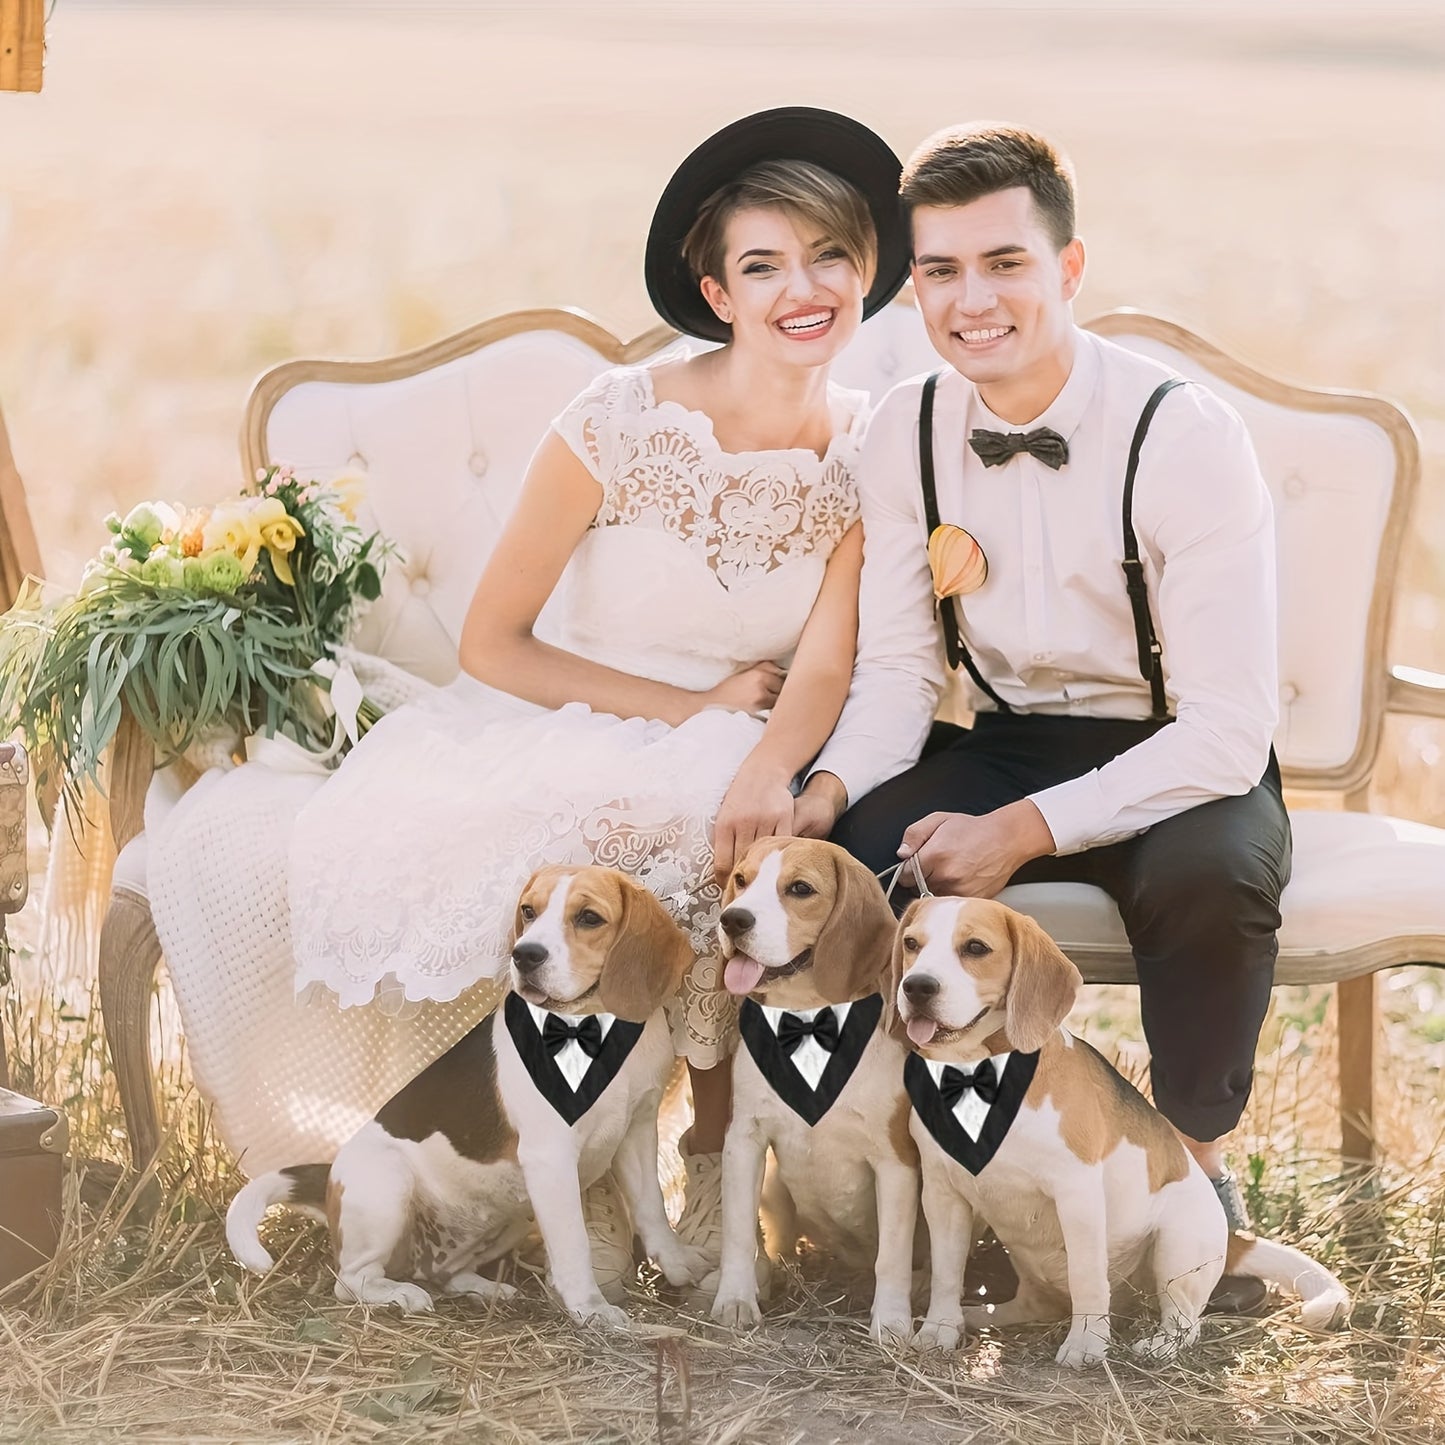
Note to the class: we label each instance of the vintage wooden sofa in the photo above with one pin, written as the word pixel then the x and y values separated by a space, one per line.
pixel 445 433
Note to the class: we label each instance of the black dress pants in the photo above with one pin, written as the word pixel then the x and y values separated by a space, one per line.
pixel 1198 893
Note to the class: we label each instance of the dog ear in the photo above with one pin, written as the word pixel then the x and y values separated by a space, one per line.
pixel 892 1019
pixel 851 953
pixel 647 959
pixel 1042 988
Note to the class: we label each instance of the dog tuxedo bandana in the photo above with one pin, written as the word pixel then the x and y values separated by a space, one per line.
pixel 969 1111
pixel 572 1060
pixel 808 1055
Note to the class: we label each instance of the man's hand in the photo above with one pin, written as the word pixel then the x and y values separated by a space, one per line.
pixel 975 857
pixel 820 805
pixel 758 805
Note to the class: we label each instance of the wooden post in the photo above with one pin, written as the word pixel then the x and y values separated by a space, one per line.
pixel 22 44
pixel 1357 1024
pixel 19 553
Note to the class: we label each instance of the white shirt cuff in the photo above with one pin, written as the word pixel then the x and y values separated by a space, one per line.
pixel 1076 813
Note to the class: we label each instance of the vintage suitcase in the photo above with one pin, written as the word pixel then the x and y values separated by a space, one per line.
pixel 32 1155
pixel 32 1137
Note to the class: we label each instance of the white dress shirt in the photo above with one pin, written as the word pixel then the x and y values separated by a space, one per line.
pixel 810 1058
pixel 1051 629
pixel 970 1111
pixel 571 1059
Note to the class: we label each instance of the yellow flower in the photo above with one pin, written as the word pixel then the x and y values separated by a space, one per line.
pixel 232 530
pixel 267 509
pixel 279 539
pixel 350 488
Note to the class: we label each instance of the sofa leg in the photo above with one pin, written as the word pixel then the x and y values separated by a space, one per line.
pixel 1358 1010
pixel 129 953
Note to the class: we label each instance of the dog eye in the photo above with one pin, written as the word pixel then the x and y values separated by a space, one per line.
pixel 910 944
pixel 801 889
pixel 588 919
pixel 528 912
pixel 739 881
pixel 977 947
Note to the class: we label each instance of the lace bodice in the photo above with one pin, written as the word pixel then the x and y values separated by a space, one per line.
pixel 700 561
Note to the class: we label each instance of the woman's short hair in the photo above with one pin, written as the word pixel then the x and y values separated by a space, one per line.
pixel 806 193
pixel 962 164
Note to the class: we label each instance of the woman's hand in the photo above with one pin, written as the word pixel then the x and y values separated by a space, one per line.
pixel 753 690
pixel 758 805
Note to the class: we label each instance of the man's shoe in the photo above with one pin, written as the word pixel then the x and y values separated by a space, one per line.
pixel 609 1233
pixel 1235 1294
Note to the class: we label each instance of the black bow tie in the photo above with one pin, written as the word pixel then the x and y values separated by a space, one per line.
pixel 792 1030
pixel 994 448
pixel 587 1031
pixel 955 1083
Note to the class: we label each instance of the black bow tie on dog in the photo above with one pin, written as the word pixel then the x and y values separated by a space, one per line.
pixel 955 1083
pixel 792 1030
pixel 587 1031
pixel 994 448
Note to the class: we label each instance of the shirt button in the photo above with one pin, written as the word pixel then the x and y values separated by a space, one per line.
pixel 478 463
pixel 1041 657
pixel 1288 693
pixel 1294 485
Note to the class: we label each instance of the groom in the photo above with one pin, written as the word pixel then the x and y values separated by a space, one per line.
pixel 1124 708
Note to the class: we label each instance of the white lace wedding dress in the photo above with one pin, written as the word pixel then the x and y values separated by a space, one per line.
pixel 404 866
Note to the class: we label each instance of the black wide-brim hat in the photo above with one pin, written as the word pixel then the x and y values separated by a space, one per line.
pixel 838 144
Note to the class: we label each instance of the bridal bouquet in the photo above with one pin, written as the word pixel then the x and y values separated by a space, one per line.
pixel 199 622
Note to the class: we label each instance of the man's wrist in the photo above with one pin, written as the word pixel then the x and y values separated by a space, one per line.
pixel 1028 830
pixel 829 788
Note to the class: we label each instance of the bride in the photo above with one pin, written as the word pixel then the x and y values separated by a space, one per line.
pixel 698 523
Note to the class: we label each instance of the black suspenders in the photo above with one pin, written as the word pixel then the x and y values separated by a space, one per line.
pixel 1151 662
pixel 953 644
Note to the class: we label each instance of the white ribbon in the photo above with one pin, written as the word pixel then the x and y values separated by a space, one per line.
pixel 344 697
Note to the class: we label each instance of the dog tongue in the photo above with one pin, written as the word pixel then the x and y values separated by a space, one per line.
pixel 922 1030
pixel 742 974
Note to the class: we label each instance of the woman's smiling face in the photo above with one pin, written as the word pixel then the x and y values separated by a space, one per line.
pixel 785 292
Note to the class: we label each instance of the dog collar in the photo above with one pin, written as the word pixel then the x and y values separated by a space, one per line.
pixel 551 1074
pixel 989 1123
pixel 809 1099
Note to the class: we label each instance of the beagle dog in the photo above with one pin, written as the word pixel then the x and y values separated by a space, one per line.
pixel 1084 1182
pixel 558 1085
pixel 806 935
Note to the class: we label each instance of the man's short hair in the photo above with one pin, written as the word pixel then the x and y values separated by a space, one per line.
pixel 966 162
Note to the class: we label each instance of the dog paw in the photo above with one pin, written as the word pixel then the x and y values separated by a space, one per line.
pixel 684 1265
pixel 410 1299
pixel 479 1287
pixel 1161 1348
pixel 938 1335
pixel 737 1313
pixel 601 1315
pixel 891 1328
pixel 1082 1349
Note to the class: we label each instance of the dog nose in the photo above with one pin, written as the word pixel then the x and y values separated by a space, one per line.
pixel 920 988
pixel 529 956
pixel 736 921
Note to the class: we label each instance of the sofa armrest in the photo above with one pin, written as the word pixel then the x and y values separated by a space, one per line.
pixel 1414 690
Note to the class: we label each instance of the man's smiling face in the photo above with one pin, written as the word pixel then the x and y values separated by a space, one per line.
pixel 995 294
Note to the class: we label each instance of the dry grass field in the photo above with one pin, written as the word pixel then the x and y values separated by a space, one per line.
pixel 203 190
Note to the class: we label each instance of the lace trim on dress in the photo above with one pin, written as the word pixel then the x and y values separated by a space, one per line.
pixel 743 513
